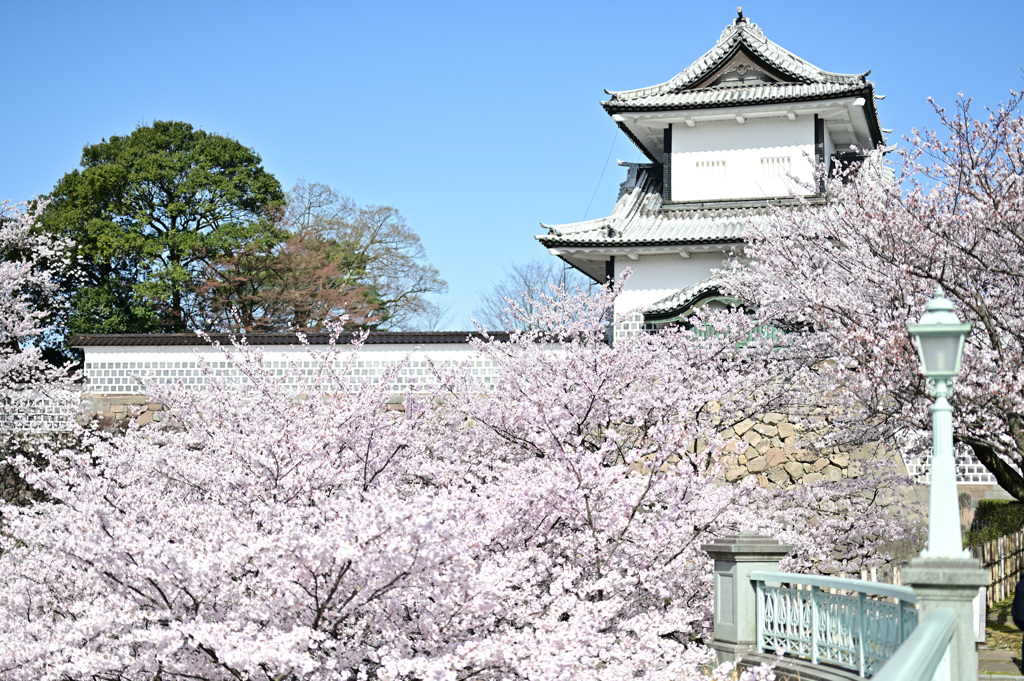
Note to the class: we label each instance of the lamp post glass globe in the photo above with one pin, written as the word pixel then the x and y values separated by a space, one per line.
pixel 940 337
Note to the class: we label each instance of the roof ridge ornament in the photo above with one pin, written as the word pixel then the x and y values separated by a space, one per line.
pixel 740 19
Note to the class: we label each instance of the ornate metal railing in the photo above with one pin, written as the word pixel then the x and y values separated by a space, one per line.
pixel 857 630
pixel 926 654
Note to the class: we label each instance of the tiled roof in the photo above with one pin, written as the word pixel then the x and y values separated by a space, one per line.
pixel 640 220
pixel 683 297
pixel 739 34
pixel 762 93
pixel 375 338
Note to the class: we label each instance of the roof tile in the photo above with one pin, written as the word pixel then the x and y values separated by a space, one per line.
pixel 639 218
pixel 750 36
pixel 374 338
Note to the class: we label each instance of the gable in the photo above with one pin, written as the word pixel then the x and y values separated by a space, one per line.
pixel 741 67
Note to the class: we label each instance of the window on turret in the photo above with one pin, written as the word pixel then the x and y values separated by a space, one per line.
pixel 775 168
pixel 711 174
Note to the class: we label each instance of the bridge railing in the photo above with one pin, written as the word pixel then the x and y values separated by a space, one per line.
pixel 926 654
pixel 848 623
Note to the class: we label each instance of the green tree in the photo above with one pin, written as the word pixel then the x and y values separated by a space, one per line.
pixel 148 213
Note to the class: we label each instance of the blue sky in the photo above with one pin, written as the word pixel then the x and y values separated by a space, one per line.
pixel 477 120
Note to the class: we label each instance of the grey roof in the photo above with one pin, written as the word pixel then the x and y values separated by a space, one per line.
pixel 731 95
pixel 742 34
pixel 640 219
pixel 375 338
pixel 683 298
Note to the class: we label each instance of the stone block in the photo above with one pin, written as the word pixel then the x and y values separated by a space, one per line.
pixel 804 456
pixel 840 460
pixel 766 429
pixel 757 465
pixel 786 430
pixel 743 426
pixel 752 437
pixel 763 446
pixel 773 418
pixel 775 457
pixel 813 477
pixel 778 476
pixel 144 418
pixel 154 406
pixel 818 465
pixel 117 408
pixel 794 470
pixel 734 473
pixel 833 474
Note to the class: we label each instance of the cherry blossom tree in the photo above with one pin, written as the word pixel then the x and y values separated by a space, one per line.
pixel 30 264
pixel 544 527
pixel 852 273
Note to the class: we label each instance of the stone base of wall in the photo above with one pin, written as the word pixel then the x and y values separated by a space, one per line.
pixel 118 412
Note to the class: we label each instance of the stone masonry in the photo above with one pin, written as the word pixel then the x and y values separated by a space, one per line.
pixel 772 455
pixel 117 412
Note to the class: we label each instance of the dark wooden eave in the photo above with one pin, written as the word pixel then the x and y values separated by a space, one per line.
pixel 314 338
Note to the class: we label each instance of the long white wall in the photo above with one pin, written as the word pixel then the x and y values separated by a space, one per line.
pixel 113 369
pixel 730 160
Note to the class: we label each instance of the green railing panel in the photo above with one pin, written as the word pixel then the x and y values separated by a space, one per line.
pixel 857 631
pixel 925 654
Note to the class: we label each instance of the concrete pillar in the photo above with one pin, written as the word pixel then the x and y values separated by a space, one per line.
pixel 735 597
pixel 950 583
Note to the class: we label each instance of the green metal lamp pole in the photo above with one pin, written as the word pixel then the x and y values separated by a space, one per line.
pixel 944 536
pixel 940 341
pixel 945 577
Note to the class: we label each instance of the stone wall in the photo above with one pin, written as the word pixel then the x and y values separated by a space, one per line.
pixel 117 412
pixel 772 454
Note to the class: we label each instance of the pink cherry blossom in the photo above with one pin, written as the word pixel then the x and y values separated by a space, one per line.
pixel 546 528
pixel 853 272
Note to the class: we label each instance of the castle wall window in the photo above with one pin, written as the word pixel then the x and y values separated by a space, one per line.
pixel 775 169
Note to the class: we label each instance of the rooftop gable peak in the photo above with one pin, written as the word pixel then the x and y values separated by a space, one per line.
pixel 742 56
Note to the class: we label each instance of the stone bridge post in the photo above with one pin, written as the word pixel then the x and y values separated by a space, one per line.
pixel 735 597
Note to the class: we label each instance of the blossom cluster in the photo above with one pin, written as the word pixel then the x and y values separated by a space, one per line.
pixel 854 271
pixel 548 528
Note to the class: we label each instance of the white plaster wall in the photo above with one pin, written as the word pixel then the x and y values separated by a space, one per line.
pixel 741 147
pixel 111 370
pixel 657 276
pixel 271 353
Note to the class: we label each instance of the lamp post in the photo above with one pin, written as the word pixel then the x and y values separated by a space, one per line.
pixel 940 343
pixel 945 576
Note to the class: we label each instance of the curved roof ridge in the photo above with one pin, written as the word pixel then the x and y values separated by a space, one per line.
pixel 751 36
pixel 685 296
pixel 625 208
